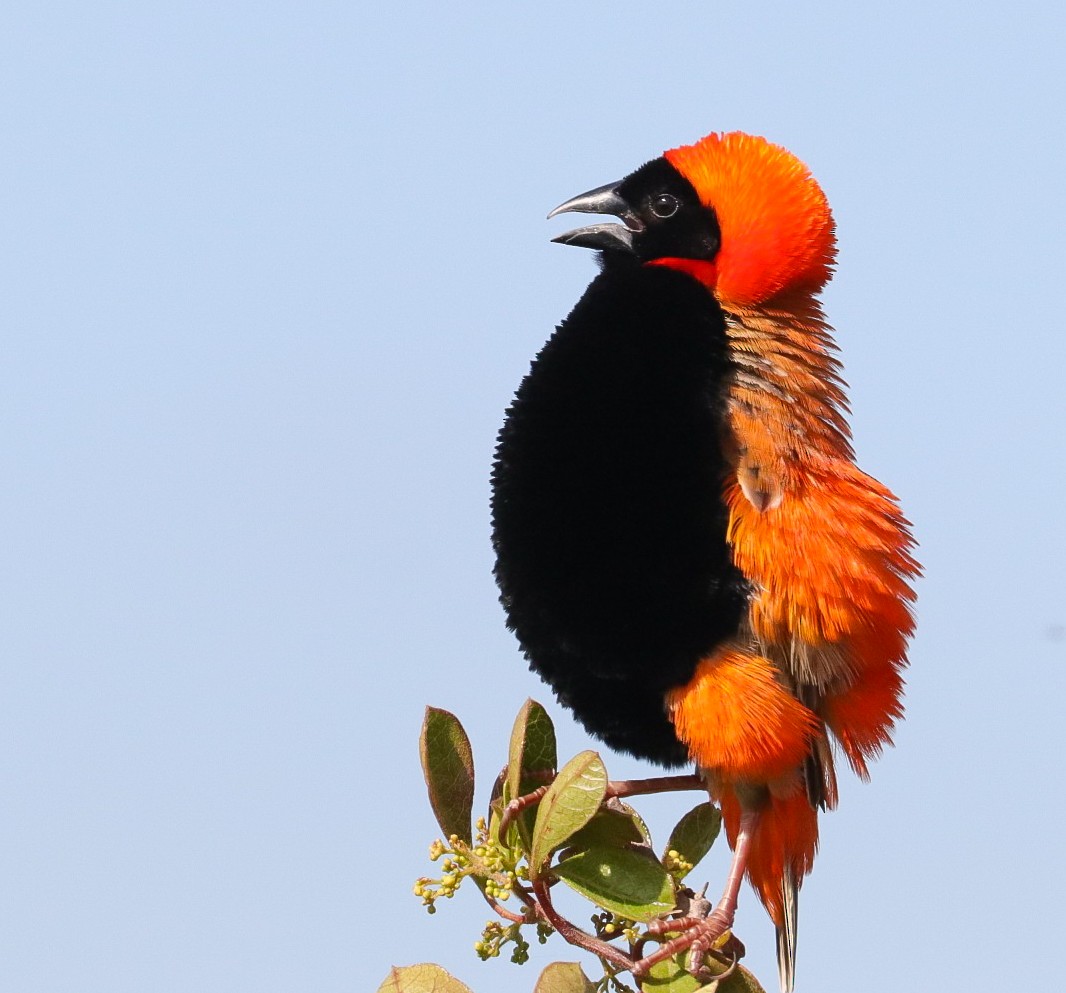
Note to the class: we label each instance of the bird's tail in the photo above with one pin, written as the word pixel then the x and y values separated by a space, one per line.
pixel 782 852
pixel 786 931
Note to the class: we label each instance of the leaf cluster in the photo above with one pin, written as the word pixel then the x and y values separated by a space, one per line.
pixel 547 825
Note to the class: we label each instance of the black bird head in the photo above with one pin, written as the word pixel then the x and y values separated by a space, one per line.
pixel 661 214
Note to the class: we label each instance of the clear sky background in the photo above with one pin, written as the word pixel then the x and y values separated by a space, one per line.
pixel 270 273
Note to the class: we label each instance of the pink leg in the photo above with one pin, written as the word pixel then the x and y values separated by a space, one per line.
pixel 699 934
pixel 727 906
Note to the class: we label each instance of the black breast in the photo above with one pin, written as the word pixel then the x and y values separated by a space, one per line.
pixel 608 521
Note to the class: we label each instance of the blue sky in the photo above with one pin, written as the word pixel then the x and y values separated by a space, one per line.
pixel 271 273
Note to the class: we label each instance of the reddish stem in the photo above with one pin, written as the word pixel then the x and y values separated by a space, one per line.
pixel 517 805
pixel 574 935
pixel 660 784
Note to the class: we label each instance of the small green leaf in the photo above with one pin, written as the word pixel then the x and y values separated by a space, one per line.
pixel 564 977
pixel 614 825
pixel 625 881
pixel 532 750
pixel 570 803
pixel 448 765
pixel 424 978
pixel 694 834
pixel 670 976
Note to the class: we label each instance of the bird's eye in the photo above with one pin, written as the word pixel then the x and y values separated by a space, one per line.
pixel 663 205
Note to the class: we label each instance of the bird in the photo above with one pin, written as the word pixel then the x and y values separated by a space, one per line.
pixel 684 544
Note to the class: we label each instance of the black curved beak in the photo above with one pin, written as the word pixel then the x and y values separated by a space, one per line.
pixel 602 200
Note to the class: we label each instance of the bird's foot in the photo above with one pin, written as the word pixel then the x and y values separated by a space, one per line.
pixel 702 937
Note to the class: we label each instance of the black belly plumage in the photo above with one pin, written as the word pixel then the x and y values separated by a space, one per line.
pixel 608 521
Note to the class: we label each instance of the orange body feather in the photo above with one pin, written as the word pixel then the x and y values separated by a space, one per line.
pixel 824 545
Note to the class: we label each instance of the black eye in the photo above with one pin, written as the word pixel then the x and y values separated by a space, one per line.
pixel 663 205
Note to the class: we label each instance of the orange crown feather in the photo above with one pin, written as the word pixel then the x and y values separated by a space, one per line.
pixel 777 229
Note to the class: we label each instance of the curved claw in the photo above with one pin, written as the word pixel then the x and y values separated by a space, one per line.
pixel 702 942
pixel 721 977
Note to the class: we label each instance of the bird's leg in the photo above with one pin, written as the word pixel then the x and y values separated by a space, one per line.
pixel 699 934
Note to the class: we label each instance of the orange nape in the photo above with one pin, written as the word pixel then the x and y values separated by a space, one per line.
pixel 739 722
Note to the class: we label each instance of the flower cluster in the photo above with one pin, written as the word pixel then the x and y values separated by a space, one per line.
pixel 676 864
pixel 495 864
pixel 495 936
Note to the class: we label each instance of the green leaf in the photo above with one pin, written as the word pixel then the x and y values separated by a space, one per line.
pixel 670 976
pixel 614 825
pixel 448 765
pixel 424 978
pixel 532 750
pixel 626 881
pixel 741 981
pixel 694 834
pixel 564 977
pixel 570 803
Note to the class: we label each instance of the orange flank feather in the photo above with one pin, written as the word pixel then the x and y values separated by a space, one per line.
pixel 831 564
pixel 736 718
